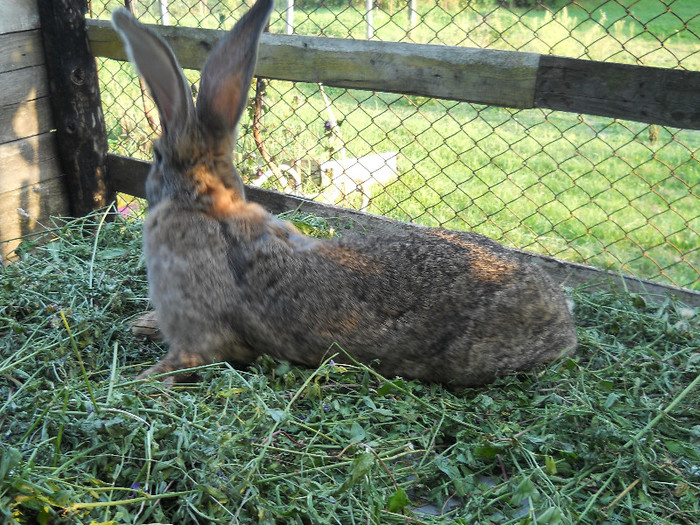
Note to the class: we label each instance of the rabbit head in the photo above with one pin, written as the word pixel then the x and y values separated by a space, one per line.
pixel 193 157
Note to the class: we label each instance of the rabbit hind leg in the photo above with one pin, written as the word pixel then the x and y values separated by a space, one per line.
pixel 173 361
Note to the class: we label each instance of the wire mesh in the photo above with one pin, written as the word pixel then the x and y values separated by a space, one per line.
pixel 612 193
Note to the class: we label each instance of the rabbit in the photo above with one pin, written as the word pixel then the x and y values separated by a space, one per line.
pixel 230 282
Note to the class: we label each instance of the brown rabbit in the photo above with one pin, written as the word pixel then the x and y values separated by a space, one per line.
pixel 231 282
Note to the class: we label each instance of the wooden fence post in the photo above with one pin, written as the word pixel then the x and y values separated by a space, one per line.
pixel 289 18
pixel 412 18
pixel 76 105
pixel 164 13
pixel 369 14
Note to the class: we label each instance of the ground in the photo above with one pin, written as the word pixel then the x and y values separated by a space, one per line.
pixel 611 435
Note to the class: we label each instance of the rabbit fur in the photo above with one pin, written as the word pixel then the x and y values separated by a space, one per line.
pixel 230 282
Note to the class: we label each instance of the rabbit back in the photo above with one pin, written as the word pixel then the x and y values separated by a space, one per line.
pixel 456 308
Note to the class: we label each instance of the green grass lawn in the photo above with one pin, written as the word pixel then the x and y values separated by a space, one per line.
pixel 620 31
pixel 610 435
pixel 618 195
pixel 597 30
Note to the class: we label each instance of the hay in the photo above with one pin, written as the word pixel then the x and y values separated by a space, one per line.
pixel 611 435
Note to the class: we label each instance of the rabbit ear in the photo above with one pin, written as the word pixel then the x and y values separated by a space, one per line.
pixel 158 66
pixel 226 77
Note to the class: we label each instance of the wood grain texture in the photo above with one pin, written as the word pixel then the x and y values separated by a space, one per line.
pixel 129 176
pixel 40 202
pixel 476 75
pixel 23 84
pixel 30 177
pixel 75 104
pixel 482 76
pixel 18 15
pixel 28 161
pixel 25 119
pixel 661 96
pixel 20 50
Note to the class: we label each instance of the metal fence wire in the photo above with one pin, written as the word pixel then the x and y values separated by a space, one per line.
pixel 615 194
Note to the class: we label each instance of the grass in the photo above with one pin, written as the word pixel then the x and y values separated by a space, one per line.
pixel 627 31
pixel 608 436
pixel 614 194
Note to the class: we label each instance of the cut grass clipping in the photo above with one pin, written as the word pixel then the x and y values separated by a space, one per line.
pixel 611 435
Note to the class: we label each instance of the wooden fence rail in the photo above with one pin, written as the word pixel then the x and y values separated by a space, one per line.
pixel 484 76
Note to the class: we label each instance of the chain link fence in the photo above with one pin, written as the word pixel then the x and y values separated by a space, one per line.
pixel 615 194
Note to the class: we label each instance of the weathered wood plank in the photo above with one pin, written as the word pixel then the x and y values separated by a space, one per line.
pixel 500 78
pixel 129 176
pixel 28 161
pixel 25 119
pixel 39 201
pixel 20 50
pixel 24 84
pixel 18 15
pixel 484 76
pixel 661 96
pixel 75 104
